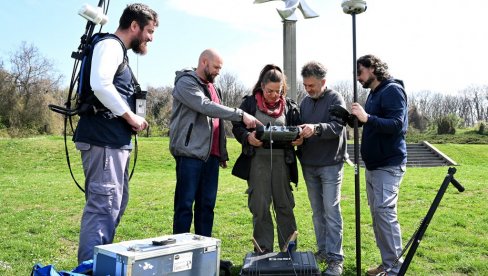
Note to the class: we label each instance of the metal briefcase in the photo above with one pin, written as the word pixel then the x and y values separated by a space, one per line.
pixel 179 255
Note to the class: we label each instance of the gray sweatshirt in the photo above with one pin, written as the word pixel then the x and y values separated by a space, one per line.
pixel 328 148
pixel 191 118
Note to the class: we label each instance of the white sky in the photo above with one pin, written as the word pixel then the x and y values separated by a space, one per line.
pixel 430 44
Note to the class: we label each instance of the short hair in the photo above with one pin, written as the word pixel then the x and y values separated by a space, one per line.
pixel 140 13
pixel 314 69
pixel 380 67
pixel 271 73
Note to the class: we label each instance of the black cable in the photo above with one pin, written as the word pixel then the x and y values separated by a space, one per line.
pixel 135 156
pixel 272 201
pixel 75 78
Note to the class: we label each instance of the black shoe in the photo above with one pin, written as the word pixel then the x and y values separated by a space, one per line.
pixel 225 267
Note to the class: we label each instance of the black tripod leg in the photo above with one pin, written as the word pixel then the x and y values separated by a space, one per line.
pixel 425 223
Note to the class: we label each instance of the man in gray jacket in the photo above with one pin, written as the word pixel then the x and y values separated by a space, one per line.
pixel 198 143
pixel 322 156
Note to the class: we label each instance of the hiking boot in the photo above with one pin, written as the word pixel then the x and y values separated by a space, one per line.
pixel 334 268
pixel 320 257
pixel 375 271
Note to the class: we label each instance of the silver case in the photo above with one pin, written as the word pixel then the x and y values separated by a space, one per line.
pixel 190 255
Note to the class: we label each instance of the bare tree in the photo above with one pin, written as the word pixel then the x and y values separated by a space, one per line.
pixel 7 88
pixel 465 109
pixel 159 108
pixel 35 80
pixel 232 93
pixel 301 93
pixel 232 89
pixel 476 96
pixel 346 89
pixel 32 73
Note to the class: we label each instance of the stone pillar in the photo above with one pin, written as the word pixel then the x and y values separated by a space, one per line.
pixel 290 57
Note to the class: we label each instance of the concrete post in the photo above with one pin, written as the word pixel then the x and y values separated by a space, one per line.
pixel 290 57
pixel 290 39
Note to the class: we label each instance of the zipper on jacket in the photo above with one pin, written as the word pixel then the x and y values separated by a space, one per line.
pixel 188 134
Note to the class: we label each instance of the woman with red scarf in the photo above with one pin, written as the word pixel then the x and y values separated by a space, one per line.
pixel 268 170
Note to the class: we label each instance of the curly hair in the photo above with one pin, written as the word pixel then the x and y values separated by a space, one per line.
pixel 140 13
pixel 271 73
pixel 314 69
pixel 380 67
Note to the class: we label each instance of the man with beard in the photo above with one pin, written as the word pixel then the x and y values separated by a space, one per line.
pixel 384 152
pixel 198 142
pixel 322 156
pixel 104 131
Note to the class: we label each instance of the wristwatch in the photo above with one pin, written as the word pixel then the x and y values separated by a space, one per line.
pixel 317 130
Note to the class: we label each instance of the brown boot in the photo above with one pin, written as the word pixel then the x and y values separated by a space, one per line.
pixel 375 271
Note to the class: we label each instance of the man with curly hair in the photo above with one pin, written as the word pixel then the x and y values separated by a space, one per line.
pixel 384 152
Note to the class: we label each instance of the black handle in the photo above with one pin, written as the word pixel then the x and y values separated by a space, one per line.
pixel 457 185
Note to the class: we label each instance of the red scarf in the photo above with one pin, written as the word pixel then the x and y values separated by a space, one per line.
pixel 271 109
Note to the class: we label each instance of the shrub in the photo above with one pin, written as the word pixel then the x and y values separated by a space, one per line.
pixel 448 124
pixel 417 120
pixel 481 128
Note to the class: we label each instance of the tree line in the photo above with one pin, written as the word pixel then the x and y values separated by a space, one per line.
pixel 30 82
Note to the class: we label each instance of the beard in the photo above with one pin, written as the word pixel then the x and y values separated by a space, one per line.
pixel 368 82
pixel 208 76
pixel 315 95
pixel 138 46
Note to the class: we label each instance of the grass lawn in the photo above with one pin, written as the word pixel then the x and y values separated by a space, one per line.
pixel 40 209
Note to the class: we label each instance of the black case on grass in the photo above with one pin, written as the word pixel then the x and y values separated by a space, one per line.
pixel 280 263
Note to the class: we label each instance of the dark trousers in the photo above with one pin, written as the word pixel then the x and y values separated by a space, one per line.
pixel 196 182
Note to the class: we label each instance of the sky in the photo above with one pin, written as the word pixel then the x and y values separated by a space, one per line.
pixel 434 45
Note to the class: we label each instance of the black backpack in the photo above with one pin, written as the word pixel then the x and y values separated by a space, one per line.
pixel 86 101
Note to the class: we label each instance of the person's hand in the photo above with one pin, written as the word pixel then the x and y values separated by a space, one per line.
pixel 307 130
pixel 223 164
pixel 137 122
pixel 250 121
pixel 298 141
pixel 252 140
pixel 358 111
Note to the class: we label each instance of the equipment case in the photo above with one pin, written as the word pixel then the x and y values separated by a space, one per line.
pixel 180 255
pixel 280 263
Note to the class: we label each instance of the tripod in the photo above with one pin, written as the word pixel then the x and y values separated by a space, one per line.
pixel 415 240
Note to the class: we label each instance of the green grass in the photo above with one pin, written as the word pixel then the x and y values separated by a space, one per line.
pixel 462 136
pixel 40 209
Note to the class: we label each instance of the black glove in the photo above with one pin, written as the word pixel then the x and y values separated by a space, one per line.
pixel 344 115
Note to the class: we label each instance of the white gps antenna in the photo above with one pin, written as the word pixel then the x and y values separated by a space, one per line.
pixel 93 14
pixel 353 6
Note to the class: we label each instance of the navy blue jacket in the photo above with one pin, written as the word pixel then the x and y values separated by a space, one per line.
pixel 383 140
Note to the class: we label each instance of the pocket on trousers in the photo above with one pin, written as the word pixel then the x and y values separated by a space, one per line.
pixel 390 194
pixel 249 195
pixel 396 171
pixel 100 198
pixel 291 197
pixel 391 187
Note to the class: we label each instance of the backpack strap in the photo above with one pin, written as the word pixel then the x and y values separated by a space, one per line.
pixel 87 102
pixel 104 36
